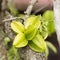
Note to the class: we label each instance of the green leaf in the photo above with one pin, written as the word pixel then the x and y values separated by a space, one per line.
pixel 17 27
pixel 34 47
pixel 20 41
pixel 33 20
pixel 6 40
pixel 13 10
pixel 30 33
pixel 44 32
pixel 51 46
pixel 46 52
pixel 48 16
pixel 12 54
pixel 38 44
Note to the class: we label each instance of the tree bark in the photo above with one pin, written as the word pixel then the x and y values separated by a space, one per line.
pixel 3 52
pixel 57 18
pixel 28 54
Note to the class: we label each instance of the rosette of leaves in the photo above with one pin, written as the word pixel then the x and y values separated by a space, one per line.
pixel 28 34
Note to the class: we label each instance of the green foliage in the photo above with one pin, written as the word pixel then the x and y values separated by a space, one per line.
pixel 20 40
pixel 51 46
pixel 46 51
pixel 17 27
pixel 12 54
pixel 34 32
pixel 43 29
pixel 6 40
pixel 32 21
pixel 38 44
pixel 30 33
pixel 32 25
pixel 48 18
pixel 13 10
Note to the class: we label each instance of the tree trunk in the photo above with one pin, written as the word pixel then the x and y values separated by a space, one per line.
pixel 3 52
pixel 57 18
pixel 28 54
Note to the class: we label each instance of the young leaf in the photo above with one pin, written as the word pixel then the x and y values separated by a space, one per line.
pixel 34 47
pixel 39 41
pixel 38 44
pixel 51 46
pixel 6 41
pixel 30 33
pixel 49 17
pixel 20 41
pixel 12 54
pixel 33 20
pixel 44 32
pixel 13 10
pixel 17 27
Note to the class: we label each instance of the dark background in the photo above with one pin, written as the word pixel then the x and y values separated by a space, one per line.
pixel 53 40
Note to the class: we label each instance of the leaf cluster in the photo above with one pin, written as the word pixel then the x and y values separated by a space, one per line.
pixel 28 34
pixel 34 31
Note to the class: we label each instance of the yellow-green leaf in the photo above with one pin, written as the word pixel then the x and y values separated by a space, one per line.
pixel 34 47
pixel 38 44
pixel 20 41
pixel 17 27
pixel 33 20
pixel 44 33
pixel 48 16
pixel 13 10
pixel 30 33
pixel 51 46
pixel 47 51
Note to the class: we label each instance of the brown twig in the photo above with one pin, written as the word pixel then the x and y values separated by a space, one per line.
pixel 29 9
pixel 12 18
pixel 27 12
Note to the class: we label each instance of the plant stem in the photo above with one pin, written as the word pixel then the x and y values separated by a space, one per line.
pixel 12 18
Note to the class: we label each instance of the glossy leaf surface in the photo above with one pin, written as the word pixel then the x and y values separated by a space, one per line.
pixel 17 27
pixel 20 41
pixel 34 47
pixel 30 33
pixel 38 44
pixel 47 52
pixel 33 20
pixel 13 10
pixel 44 32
